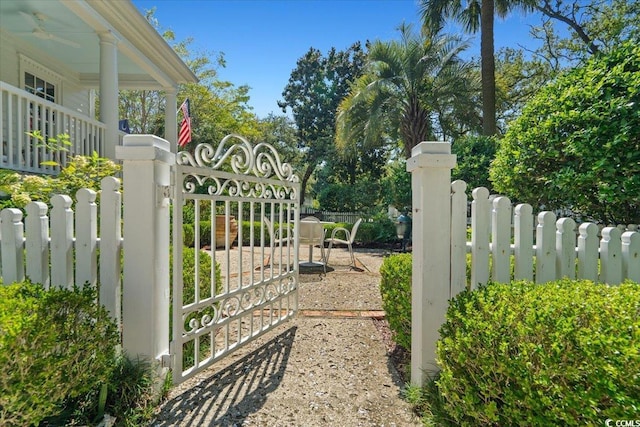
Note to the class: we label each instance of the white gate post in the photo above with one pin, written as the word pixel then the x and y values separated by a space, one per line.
pixel 146 164
pixel 430 166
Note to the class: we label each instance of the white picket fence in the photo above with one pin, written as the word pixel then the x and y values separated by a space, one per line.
pixel 66 247
pixel 501 236
pixel 502 244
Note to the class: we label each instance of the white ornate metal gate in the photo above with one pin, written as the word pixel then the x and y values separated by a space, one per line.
pixel 237 286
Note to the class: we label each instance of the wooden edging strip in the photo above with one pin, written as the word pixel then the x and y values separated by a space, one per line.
pixel 342 314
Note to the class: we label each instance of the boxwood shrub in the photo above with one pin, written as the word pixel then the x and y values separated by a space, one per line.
pixel 395 288
pixel 563 353
pixel 380 231
pixel 56 346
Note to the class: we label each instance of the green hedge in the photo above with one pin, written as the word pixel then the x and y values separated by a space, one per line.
pixel 204 270
pixel 381 230
pixel 56 347
pixel 57 350
pixel 395 287
pixel 205 234
pixel 563 353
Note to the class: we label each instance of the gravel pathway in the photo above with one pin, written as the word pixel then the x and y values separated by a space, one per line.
pixel 326 367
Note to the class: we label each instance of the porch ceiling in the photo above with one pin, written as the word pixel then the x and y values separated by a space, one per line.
pixel 66 32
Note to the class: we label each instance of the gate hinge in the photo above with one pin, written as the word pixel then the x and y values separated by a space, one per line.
pixel 163 193
pixel 165 360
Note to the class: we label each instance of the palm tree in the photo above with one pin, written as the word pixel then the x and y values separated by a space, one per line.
pixel 403 88
pixel 474 15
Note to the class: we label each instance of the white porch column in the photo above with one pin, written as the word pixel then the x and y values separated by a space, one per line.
pixel 430 166
pixel 171 118
pixel 109 91
pixel 146 165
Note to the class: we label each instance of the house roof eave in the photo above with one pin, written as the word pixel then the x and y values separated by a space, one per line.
pixel 137 37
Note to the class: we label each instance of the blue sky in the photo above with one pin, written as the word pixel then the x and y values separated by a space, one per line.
pixel 263 39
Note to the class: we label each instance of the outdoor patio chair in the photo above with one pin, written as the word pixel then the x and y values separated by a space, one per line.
pixel 277 237
pixel 350 237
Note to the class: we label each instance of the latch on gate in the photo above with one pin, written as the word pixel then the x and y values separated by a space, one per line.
pixel 163 194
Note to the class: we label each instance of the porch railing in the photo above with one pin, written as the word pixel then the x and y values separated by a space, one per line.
pixel 22 112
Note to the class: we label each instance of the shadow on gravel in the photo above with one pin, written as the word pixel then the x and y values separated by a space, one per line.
pixel 229 396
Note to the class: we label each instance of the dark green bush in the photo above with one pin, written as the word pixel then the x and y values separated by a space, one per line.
pixel 395 287
pixel 380 230
pixel 246 233
pixel 329 229
pixel 577 142
pixel 188 274
pixel 474 155
pixel 188 234
pixel 563 353
pixel 56 346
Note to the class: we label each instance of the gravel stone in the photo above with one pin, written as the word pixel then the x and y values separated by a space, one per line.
pixel 333 370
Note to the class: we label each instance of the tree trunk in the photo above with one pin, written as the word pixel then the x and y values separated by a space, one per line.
pixel 487 69
pixel 415 126
pixel 303 185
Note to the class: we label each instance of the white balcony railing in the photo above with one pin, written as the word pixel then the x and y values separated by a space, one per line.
pixel 22 112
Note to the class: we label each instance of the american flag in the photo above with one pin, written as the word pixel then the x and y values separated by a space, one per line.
pixel 184 135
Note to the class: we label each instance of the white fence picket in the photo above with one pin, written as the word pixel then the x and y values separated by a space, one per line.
pixel 523 242
pixel 546 247
pixel 12 241
pixel 110 245
pixel 48 244
pixel 566 248
pixel 631 255
pixel 588 251
pixel 501 238
pixel 480 237
pixel 86 237
pixel 458 237
pixel 611 256
pixel 561 248
pixel 61 241
pixel 37 243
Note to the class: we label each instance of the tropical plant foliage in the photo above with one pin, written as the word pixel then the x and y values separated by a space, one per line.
pixel 408 91
pixel 475 15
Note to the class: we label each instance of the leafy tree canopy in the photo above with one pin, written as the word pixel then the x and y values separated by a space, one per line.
pixel 474 156
pixel 315 88
pixel 577 143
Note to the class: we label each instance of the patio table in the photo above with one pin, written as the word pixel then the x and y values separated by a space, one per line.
pixel 312 233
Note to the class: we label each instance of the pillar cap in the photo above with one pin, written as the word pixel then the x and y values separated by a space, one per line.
pixel 145 147
pixel 431 147
pixel 145 141
pixel 430 154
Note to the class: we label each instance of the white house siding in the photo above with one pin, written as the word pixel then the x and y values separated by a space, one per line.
pixel 76 98
pixel 8 61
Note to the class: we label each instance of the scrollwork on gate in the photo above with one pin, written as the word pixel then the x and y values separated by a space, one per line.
pixel 238 182
pixel 234 305
pixel 261 160
pixel 220 171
